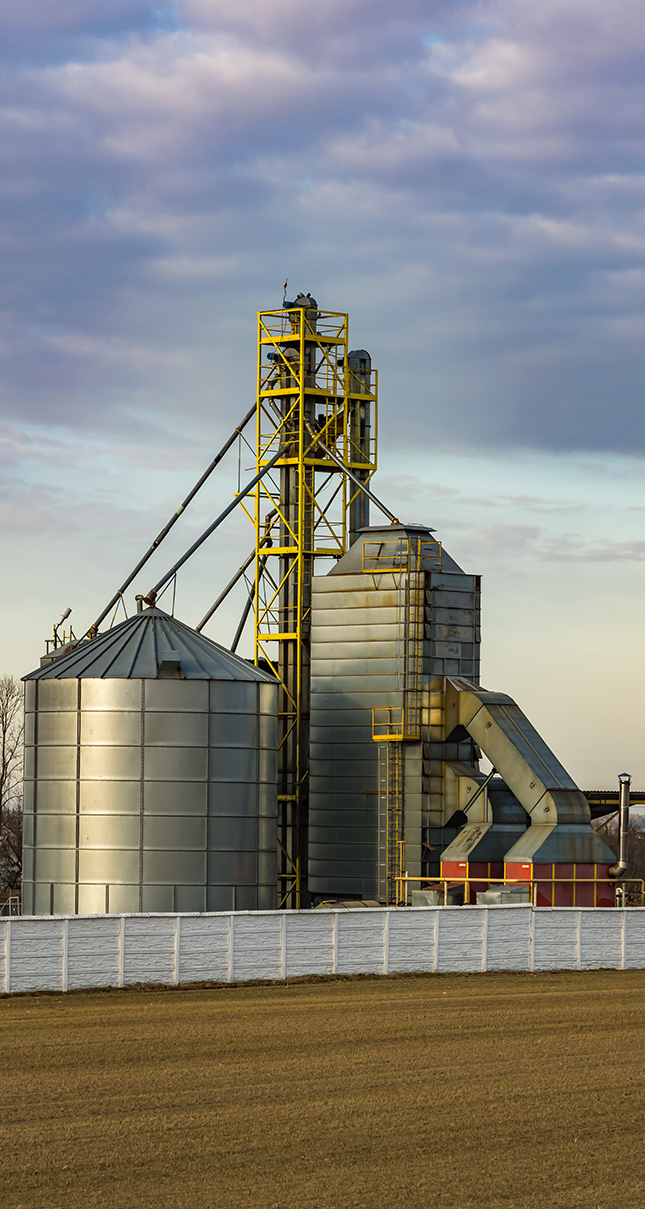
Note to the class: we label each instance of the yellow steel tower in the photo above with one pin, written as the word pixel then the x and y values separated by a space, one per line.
pixel 311 388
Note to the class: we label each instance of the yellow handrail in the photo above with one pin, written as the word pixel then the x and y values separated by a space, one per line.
pixel 445 882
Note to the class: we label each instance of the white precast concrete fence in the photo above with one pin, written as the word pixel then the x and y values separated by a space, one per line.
pixel 60 953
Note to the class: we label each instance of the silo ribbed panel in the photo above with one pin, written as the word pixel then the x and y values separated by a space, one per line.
pixel 361 644
pixel 150 792
pixel 357 642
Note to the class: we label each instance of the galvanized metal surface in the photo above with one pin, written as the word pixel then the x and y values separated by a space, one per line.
pixel 150 794
pixel 559 813
pixel 624 781
pixel 60 954
pixel 365 638
pixel 355 560
pixel 502 823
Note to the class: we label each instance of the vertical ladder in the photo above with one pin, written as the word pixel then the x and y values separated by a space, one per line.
pixel 391 770
pixel 413 636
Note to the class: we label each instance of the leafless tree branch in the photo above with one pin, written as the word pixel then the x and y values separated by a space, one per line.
pixel 11 771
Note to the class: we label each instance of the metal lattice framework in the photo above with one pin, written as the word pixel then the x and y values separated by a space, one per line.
pixel 306 508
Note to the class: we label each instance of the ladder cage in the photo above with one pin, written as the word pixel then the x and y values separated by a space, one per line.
pixel 305 508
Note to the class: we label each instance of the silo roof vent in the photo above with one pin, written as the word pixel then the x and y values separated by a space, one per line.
pixel 170 663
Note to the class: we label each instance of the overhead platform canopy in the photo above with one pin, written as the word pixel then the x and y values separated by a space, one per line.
pixel 604 801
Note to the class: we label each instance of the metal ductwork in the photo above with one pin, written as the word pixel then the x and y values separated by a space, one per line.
pixel 624 782
pixel 560 820
pixel 496 820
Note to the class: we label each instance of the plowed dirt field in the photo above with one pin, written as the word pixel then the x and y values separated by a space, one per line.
pixel 458 1092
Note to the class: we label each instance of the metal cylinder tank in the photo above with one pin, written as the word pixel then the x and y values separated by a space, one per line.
pixel 150 776
pixel 389 622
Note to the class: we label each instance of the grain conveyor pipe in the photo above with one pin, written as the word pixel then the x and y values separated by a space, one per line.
pixel 266 541
pixel 150 598
pixel 175 517
pixel 248 606
pixel 354 478
pixel 224 593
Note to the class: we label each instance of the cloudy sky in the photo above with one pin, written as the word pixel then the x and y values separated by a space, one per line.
pixel 466 179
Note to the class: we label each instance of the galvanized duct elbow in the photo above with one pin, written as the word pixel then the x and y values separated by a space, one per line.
pixel 560 829
pixel 617 870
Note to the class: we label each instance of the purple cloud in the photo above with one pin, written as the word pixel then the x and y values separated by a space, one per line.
pixel 466 178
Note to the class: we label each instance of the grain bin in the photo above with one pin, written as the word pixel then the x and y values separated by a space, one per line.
pixel 389 622
pixel 150 775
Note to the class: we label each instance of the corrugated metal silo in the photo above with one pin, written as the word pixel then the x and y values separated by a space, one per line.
pixel 394 617
pixel 150 776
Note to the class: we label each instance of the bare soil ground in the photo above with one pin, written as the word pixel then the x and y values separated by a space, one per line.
pixel 455 1092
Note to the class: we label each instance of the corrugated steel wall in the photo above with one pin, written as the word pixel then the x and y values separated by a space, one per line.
pixel 358 656
pixel 453 635
pixel 356 665
pixel 149 795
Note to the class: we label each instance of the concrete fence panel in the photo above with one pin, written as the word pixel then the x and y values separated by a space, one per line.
pixel 59 953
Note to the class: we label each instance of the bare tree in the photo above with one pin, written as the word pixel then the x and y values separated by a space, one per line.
pixel 11 741
pixel 635 846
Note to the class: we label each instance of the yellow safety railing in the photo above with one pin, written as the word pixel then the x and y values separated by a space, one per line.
pixel 454 882
pixel 400 554
pixel 389 724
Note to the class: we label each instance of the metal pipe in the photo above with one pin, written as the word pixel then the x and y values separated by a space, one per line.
pixel 265 541
pixel 247 608
pixel 229 587
pixel 242 622
pixel 624 782
pixel 175 517
pixel 63 617
pixel 484 785
pixel 150 598
pixel 339 462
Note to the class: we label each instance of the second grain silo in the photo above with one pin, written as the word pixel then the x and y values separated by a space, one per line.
pixel 150 775
pixel 394 616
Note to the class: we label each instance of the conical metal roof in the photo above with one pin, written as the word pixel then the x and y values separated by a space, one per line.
pixel 388 535
pixel 137 648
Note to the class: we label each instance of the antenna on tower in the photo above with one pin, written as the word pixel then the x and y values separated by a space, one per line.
pixel 284 289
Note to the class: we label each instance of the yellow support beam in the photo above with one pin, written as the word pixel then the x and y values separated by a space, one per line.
pixel 306 508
